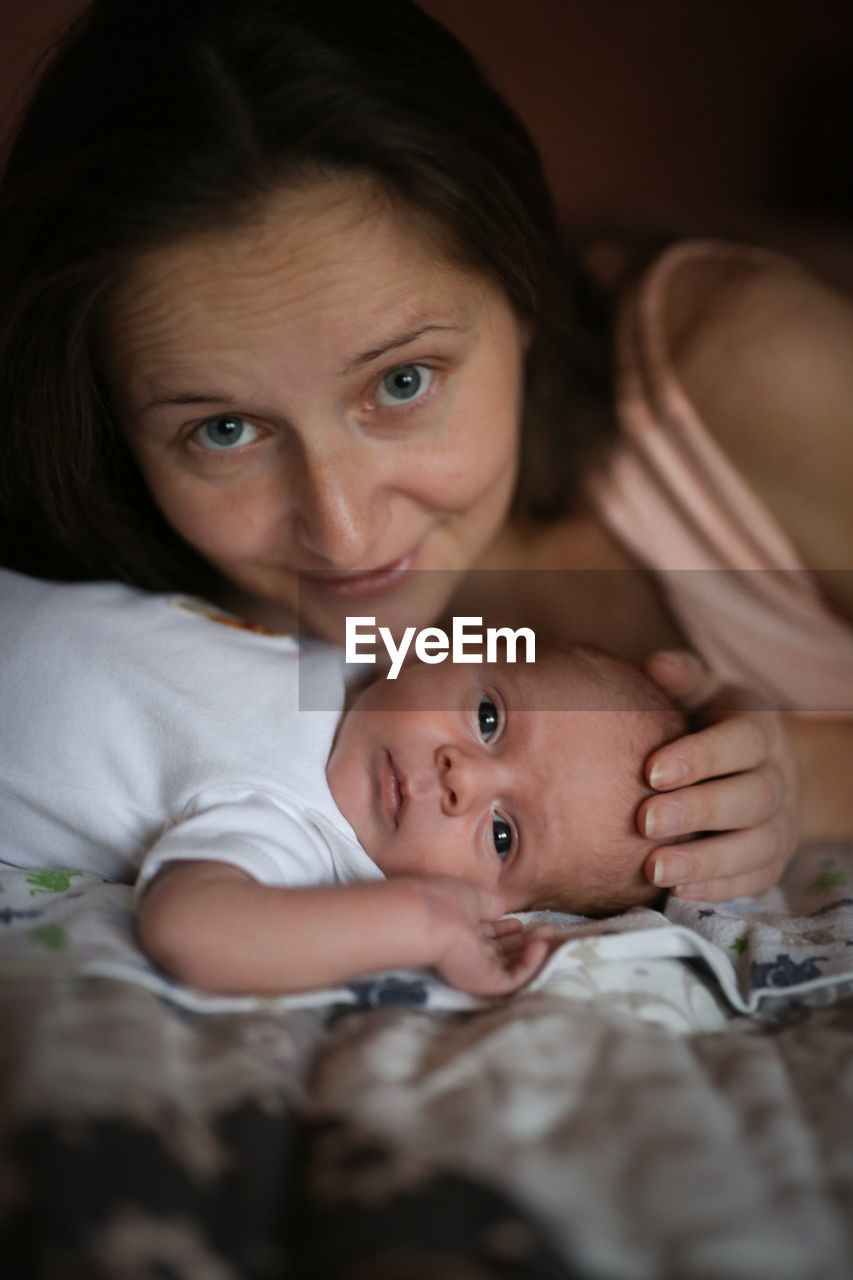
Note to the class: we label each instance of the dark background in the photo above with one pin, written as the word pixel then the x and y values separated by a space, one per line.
pixel 730 117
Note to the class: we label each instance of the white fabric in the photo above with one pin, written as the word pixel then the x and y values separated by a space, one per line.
pixel 136 729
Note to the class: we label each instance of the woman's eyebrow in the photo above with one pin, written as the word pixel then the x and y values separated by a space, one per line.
pixel 187 397
pixel 401 340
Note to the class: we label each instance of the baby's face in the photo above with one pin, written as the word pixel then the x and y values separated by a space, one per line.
pixel 464 770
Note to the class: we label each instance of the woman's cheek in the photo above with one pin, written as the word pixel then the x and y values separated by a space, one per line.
pixel 477 447
pixel 212 517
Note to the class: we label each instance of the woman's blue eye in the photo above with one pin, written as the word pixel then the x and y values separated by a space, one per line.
pixel 225 432
pixel 487 718
pixel 502 836
pixel 406 382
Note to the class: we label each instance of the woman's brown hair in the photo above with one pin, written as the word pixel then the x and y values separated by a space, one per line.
pixel 156 119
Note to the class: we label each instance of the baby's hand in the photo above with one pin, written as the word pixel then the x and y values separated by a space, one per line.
pixel 734 780
pixel 476 950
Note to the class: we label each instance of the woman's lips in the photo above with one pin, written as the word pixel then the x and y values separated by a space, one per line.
pixel 351 585
pixel 390 790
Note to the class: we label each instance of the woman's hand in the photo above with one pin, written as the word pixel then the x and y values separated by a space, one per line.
pixel 477 951
pixel 734 781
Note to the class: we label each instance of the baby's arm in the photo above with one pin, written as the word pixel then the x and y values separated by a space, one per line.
pixel 214 927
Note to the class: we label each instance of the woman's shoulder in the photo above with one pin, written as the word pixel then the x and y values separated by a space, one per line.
pixel 721 303
pixel 763 350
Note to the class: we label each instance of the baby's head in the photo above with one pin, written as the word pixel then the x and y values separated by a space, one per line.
pixel 525 778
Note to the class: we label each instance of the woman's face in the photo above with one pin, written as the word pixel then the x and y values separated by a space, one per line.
pixel 322 406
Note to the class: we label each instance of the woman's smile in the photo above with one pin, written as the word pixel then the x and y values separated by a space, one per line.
pixel 359 583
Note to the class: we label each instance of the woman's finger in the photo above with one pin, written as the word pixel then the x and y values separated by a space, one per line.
pixel 725 804
pixel 730 746
pixel 683 676
pixel 744 886
pixel 733 853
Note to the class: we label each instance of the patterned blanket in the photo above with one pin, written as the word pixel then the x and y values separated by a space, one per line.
pixel 793 941
pixel 672 1097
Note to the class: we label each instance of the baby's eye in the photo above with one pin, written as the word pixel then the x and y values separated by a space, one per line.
pixel 225 432
pixel 502 835
pixel 487 718
pixel 406 382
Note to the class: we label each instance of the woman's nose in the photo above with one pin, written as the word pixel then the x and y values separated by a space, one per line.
pixel 463 778
pixel 341 510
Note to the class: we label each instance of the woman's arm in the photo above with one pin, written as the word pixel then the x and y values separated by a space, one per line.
pixel 214 927
pixel 764 352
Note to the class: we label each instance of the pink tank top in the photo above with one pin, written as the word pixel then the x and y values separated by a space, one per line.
pixel 732 578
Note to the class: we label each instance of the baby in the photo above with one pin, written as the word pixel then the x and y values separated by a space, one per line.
pixel 277 849
pixel 521 778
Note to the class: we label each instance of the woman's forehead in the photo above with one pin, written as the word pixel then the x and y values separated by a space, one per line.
pixel 339 230
pixel 332 261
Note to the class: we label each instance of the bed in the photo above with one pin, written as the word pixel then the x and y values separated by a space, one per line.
pixel 672 1097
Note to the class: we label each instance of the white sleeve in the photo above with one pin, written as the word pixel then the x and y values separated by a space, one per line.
pixel 266 836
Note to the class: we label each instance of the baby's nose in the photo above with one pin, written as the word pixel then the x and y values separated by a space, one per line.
pixel 463 779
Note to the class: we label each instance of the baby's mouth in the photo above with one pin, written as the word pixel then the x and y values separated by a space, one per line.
pixel 391 790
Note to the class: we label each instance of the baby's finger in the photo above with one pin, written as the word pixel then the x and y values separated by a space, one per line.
pixel 507 925
pixel 510 943
pixel 505 974
pixel 730 746
pixel 546 931
pixel 726 804
pixel 732 854
pixel 523 966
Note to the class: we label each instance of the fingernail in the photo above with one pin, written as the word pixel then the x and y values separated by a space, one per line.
pixel 668 772
pixel 664 820
pixel 690 890
pixel 671 869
